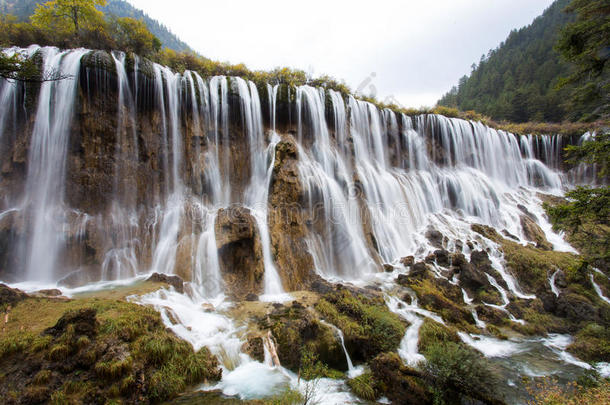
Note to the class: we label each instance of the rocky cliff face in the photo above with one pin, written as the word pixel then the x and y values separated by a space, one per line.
pixel 159 167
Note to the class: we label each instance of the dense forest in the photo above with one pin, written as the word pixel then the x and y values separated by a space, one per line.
pixel 524 78
pixel 23 9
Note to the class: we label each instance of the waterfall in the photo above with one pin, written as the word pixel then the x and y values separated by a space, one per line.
pixel 47 162
pixel 164 255
pixel 554 288
pixel 338 245
pixel 373 180
pixel 351 371
pixel 598 289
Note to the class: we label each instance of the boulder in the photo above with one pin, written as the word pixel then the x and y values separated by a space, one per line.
pixel 533 232
pixel 402 384
pixel 441 257
pixel 407 261
pixel 48 293
pixel 254 347
pixel 576 308
pixel 287 219
pixel 10 296
pixel 174 281
pixel 239 251
pixel 321 286
pixel 83 321
pixel 472 275
pixel 294 328
pixel 435 238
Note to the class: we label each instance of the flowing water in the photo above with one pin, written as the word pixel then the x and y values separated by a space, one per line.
pixel 374 182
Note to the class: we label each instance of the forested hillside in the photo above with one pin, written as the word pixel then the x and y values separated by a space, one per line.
pixel 24 8
pixel 517 81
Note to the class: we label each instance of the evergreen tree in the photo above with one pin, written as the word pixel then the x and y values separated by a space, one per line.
pixel 586 43
pixel 518 81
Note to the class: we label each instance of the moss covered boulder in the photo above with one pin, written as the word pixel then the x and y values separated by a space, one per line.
pixel 368 325
pixel 95 351
pixel 297 329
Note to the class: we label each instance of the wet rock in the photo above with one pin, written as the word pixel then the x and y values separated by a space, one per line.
pixel 239 251
pixel 183 266
pixel 254 347
pixel 388 268
pixel 321 286
pixel 287 219
pixel 442 257
pixel 418 269
pixel 251 297
pixel 407 261
pixel 560 279
pixel 369 327
pixel 459 245
pixel 48 293
pixel 435 238
pixel 174 281
pixel 527 212
pixel 509 235
pixel 208 307
pixel 294 328
pixel 486 231
pixel 472 275
pixel 533 232
pixel 402 384
pixel 576 308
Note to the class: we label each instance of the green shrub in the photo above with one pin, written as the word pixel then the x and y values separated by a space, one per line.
pixel 454 368
pixel 363 386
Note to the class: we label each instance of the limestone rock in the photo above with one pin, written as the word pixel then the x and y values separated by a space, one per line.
pixel 174 281
pixel 254 347
pixel 83 321
pixel 239 251
pixel 407 261
pixel 533 232
pixel 435 238
pixel 10 296
pixel 403 384
pixel 576 307
pixel 287 219
pixel 296 327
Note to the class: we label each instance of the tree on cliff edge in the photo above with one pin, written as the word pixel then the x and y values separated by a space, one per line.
pixel 69 17
pixel 586 43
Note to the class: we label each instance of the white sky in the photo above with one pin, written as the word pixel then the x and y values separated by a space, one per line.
pixel 417 49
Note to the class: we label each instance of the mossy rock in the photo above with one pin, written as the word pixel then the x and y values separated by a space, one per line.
pixel 295 329
pixel 592 343
pixel 445 299
pixel 400 384
pixel 432 332
pixel 99 60
pixel 365 386
pixel 368 325
pixel 91 348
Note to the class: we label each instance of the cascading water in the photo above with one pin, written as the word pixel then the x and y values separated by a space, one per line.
pixel 47 162
pixel 373 182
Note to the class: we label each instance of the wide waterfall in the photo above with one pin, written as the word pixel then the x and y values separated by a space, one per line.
pixel 255 192
pixel 373 180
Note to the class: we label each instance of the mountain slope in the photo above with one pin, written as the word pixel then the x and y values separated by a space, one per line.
pixel 516 81
pixel 24 8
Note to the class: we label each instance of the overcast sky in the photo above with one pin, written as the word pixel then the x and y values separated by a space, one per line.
pixel 410 50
